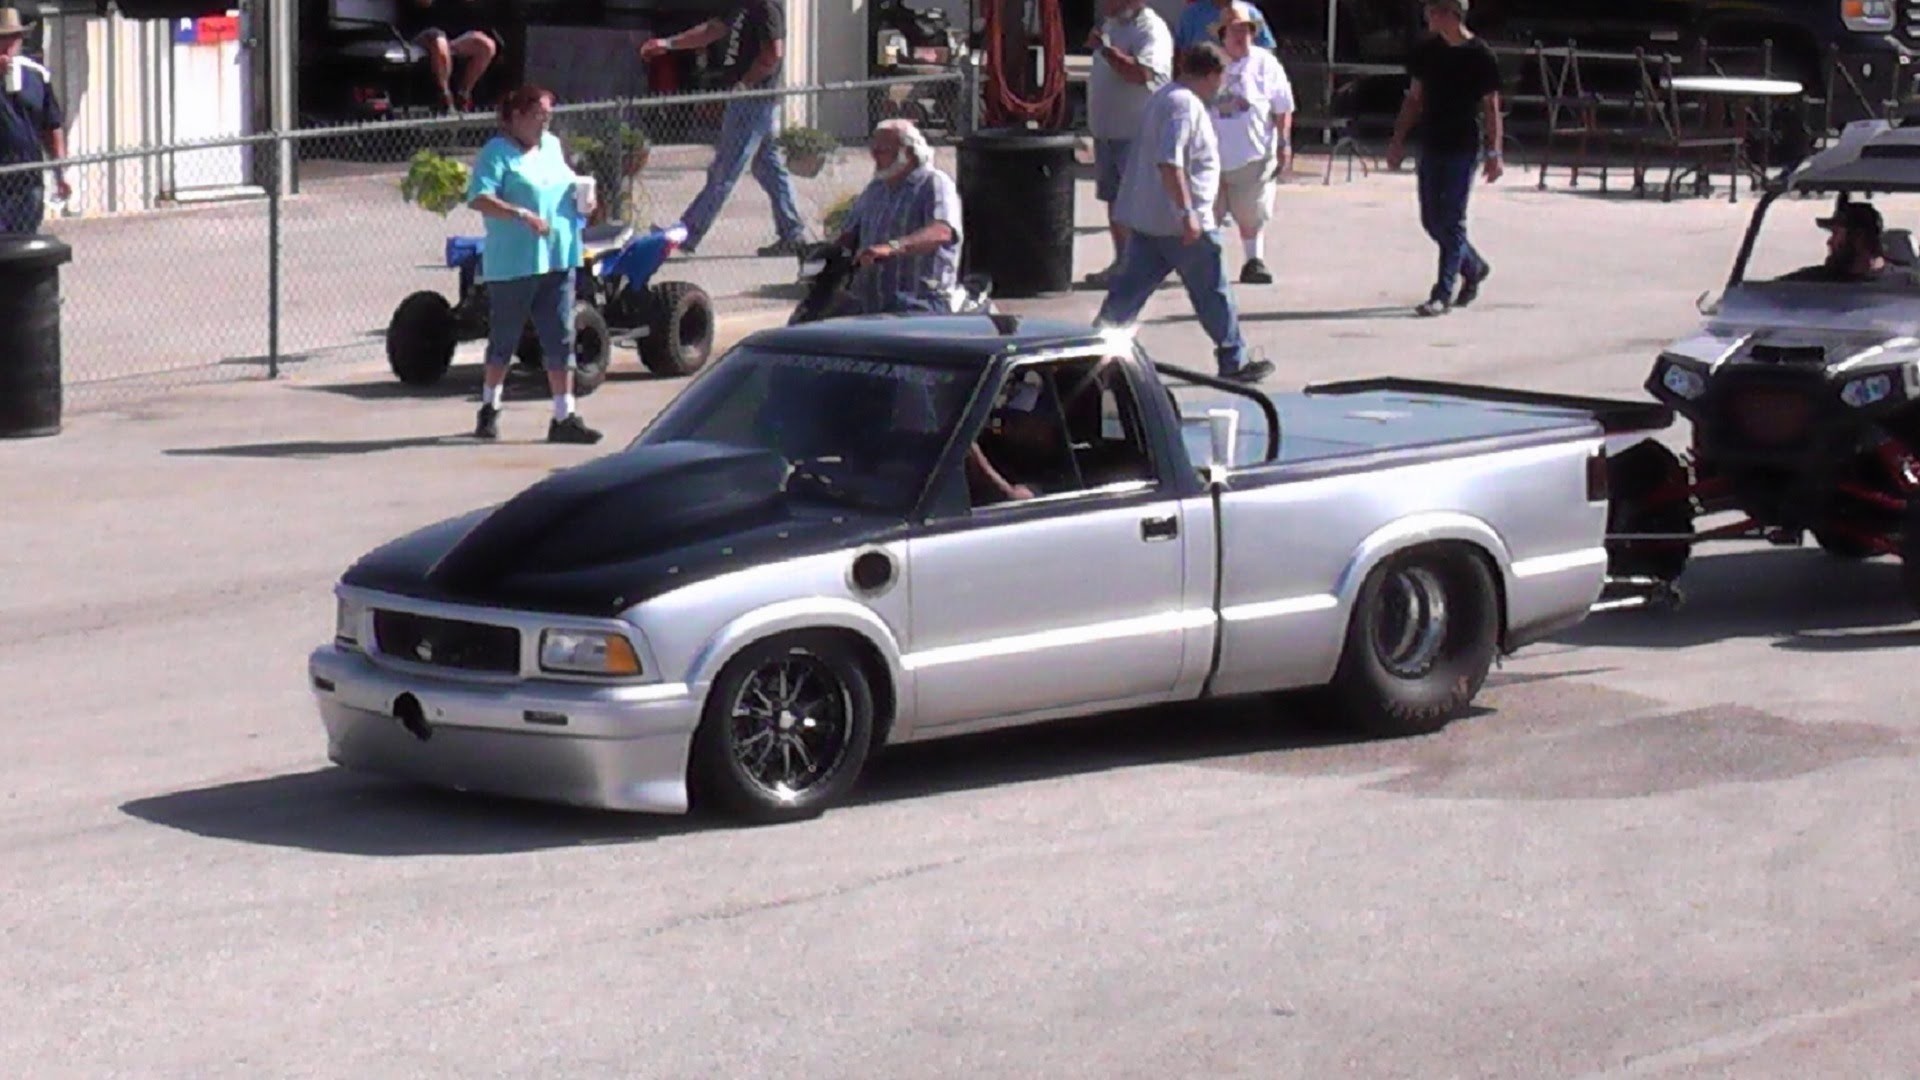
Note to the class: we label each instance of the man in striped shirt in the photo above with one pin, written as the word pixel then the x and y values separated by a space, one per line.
pixel 904 229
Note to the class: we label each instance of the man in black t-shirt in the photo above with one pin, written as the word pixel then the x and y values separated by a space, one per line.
pixel 1456 100
pixel 756 33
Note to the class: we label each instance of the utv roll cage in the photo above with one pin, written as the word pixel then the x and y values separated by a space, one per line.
pixel 1871 157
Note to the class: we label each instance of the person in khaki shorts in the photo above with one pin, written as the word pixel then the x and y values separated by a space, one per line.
pixel 1253 118
pixel 1132 58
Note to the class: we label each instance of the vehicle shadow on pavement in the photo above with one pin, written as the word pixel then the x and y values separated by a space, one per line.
pixel 462 380
pixel 1804 597
pixel 1396 311
pixel 1216 733
pixel 334 810
pixel 318 449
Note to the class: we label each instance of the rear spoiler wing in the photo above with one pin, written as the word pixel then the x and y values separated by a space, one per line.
pixel 1615 417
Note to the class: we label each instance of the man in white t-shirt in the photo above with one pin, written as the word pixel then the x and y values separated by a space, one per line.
pixel 1166 200
pixel 1253 117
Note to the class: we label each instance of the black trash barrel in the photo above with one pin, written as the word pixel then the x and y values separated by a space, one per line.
pixel 1016 196
pixel 30 334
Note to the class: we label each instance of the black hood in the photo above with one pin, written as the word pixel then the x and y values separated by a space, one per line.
pixel 600 537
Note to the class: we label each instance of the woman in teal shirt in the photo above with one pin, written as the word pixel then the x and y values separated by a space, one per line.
pixel 523 186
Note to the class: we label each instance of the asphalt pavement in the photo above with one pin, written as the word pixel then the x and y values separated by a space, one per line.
pixel 1675 843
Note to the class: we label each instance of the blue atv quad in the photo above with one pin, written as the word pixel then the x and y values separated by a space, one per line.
pixel 615 303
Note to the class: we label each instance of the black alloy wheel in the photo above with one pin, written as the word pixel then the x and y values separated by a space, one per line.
pixel 787 729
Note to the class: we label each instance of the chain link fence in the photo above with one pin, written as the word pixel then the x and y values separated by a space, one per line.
pixel 218 282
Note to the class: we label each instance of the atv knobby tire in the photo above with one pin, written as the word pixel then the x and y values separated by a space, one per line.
pixel 592 348
pixel 679 329
pixel 421 338
pixel 1635 475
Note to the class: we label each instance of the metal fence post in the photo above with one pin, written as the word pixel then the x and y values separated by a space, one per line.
pixel 970 86
pixel 280 149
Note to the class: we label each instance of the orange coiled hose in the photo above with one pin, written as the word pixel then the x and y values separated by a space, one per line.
pixel 1001 105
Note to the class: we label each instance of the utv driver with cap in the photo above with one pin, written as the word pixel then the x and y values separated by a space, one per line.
pixel 1856 249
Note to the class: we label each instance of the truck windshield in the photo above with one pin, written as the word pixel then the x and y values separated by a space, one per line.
pixel 859 432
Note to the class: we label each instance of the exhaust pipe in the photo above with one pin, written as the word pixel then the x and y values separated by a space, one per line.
pixel 407 710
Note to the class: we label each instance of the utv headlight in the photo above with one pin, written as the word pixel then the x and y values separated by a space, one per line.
pixel 587 652
pixel 347 617
pixel 1683 381
pixel 1862 392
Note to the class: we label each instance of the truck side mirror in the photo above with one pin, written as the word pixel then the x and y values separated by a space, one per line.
pixel 1223 430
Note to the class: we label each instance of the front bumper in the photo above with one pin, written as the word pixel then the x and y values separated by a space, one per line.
pixel 606 747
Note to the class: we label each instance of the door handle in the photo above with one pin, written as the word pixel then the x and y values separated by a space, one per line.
pixel 1160 528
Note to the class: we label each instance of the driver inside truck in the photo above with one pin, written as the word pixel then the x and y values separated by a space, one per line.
pixel 1856 248
pixel 1024 436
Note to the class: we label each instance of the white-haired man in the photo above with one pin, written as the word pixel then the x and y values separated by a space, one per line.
pixel 904 228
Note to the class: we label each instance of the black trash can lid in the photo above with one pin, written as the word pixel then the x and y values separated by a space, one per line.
pixel 1020 138
pixel 31 251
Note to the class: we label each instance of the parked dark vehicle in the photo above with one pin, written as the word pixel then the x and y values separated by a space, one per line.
pixel 1867 41
pixel 1803 396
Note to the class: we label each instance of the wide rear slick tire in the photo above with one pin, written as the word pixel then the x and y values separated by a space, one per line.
pixel 786 730
pixel 1424 633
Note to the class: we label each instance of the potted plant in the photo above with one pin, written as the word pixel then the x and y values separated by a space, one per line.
pixel 635 148
pixel 807 150
pixel 435 182
pixel 612 163
pixel 834 221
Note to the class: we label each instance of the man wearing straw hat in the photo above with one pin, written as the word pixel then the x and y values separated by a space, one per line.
pixel 30 129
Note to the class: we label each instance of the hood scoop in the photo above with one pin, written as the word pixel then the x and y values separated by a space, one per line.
pixel 619 508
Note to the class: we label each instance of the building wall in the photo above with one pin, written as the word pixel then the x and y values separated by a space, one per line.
pixel 125 84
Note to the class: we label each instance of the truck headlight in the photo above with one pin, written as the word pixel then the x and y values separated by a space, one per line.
pixel 1862 392
pixel 587 652
pixel 347 617
pixel 1683 381
pixel 1867 16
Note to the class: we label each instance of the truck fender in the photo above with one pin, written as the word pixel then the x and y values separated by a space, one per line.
pixel 1418 529
pixel 811 613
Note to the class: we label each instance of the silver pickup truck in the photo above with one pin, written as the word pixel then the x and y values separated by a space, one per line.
pixel 872 531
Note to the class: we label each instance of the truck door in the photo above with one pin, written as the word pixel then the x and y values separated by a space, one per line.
pixel 1069 594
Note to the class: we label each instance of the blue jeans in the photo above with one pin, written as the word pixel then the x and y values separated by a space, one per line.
pixel 548 300
pixel 1145 263
pixel 747 130
pixel 1446 181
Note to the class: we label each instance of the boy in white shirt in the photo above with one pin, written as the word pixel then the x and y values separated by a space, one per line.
pixel 1253 118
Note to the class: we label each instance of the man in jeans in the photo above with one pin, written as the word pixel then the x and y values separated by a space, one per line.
pixel 1166 202
pixel 1132 57
pixel 756 33
pixel 1456 99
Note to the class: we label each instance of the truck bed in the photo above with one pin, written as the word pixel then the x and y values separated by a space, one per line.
pixel 1377 422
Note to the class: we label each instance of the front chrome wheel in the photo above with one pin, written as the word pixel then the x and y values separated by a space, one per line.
pixel 787 727
pixel 1412 626
pixel 789 723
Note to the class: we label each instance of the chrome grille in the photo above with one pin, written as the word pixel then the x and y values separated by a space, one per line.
pixel 449 643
